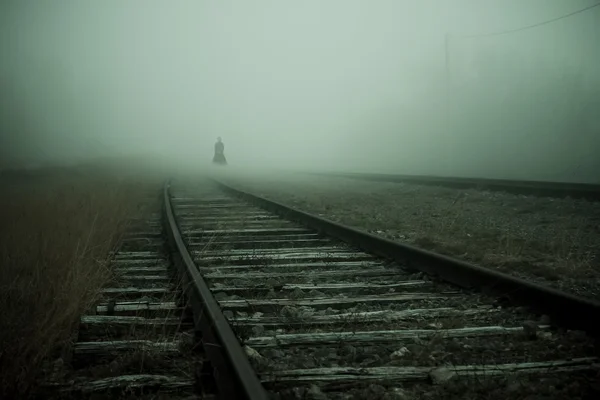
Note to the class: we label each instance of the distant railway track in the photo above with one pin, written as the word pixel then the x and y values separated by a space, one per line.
pixel 534 188
pixel 289 305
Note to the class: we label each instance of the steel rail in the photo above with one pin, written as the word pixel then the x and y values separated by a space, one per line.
pixel 588 191
pixel 235 376
pixel 567 310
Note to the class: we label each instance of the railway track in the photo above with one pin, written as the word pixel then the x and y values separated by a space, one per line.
pixel 589 191
pixel 319 318
pixel 226 295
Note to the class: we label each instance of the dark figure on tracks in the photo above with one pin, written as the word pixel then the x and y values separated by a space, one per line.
pixel 219 157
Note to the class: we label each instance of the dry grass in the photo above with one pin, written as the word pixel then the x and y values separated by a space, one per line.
pixel 57 228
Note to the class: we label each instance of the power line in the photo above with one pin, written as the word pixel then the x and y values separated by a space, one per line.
pixel 532 26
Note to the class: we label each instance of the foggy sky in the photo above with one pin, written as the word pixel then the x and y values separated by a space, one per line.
pixel 336 84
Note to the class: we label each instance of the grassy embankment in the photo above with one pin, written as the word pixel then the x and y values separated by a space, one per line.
pixel 57 229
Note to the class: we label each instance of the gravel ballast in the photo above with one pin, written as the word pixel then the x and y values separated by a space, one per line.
pixel 323 320
pixel 555 242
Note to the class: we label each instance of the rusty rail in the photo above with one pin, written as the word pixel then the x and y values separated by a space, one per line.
pixel 233 373
pixel 567 310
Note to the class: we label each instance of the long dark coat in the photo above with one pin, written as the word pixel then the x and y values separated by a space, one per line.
pixel 219 157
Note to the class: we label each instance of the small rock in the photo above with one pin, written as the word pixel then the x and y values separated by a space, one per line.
pixel 297 393
pixel 545 335
pixel 530 329
pixel 441 375
pixel 399 353
pixel 289 311
pixel 307 311
pixel 220 296
pixel 376 390
pixel 297 293
pixel 228 314
pixel 314 393
pixel 545 320
pixel 371 361
pixel 257 314
pixel 253 354
pixel 258 330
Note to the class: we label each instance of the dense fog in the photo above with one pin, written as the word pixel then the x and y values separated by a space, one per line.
pixel 381 86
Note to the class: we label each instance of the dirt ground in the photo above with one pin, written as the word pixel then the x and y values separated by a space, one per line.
pixel 555 242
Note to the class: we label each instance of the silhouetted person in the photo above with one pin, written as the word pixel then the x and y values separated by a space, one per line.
pixel 219 157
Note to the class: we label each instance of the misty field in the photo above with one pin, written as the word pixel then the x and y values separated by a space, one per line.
pixel 551 241
pixel 57 229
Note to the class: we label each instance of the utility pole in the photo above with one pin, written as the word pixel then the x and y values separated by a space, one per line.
pixel 448 138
